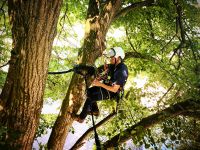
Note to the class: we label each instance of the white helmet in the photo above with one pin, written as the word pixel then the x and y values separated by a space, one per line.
pixel 115 52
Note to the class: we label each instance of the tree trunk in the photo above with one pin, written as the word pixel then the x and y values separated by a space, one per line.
pixel 33 30
pixel 97 25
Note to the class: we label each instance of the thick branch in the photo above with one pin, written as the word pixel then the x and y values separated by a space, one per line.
pixel 145 123
pixel 93 8
pixel 134 6
pixel 194 114
pixel 180 20
pixel 79 142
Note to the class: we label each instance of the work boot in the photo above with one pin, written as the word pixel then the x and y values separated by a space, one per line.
pixel 95 113
pixel 78 119
pixel 93 109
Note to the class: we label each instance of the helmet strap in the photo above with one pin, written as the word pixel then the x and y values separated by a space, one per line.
pixel 115 61
pixel 113 51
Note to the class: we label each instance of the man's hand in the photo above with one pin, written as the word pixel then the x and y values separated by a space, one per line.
pixel 106 67
pixel 114 88
pixel 96 82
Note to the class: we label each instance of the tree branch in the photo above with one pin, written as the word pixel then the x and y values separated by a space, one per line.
pixel 194 114
pixel 93 8
pixel 168 43
pixel 150 26
pixel 160 100
pixel 1 8
pixel 129 40
pixel 4 14
pixel 145 123
pixel 62 20
pixel 179 25
pixel 178 51
pixel 5 64
pixel 192 48
pixel 134 6
pixel 179 20
pixel 80 142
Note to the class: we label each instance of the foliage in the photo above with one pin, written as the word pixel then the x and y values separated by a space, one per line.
pixel 150 30
pixel 14 135
pixel 5 40
pixel 46 122
pixel 3 130
pixel 5 34
pixel 174 134
pixel 172 73
pixel 2 78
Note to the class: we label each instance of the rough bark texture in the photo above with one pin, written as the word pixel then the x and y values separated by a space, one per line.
pixel 97 25
pixel 33 30
pixel 176 109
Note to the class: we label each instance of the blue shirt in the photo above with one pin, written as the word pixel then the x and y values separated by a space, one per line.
pixel 119 74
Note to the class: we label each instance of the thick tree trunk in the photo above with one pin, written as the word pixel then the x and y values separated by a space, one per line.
pixel 33 30
pixel 97 25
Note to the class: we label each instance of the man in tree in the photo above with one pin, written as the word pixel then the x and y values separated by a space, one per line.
pixel 109 88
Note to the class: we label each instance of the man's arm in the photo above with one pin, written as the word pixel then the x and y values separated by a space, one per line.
pixel 114 88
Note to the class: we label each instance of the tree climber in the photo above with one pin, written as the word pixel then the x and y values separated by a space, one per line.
pixel 109 88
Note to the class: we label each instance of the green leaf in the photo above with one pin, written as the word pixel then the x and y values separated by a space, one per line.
pixel 147 145
pixel 163 140
pixel 173 137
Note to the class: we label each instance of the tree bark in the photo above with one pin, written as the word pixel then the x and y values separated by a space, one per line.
pixel 145 123
pixel 97 25
pixel 33 30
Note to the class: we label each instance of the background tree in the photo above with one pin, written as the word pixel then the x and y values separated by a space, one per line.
pixel 33 26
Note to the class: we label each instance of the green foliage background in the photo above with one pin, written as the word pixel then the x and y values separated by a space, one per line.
pixel 151 32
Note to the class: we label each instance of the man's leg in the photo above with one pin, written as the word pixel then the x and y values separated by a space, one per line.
pixel 94 94
pixel 94 109
pixel 85 109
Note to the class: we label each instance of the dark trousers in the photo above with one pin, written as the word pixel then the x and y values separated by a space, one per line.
pixel 95 94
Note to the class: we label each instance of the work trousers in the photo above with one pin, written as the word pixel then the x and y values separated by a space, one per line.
pixel 95 94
